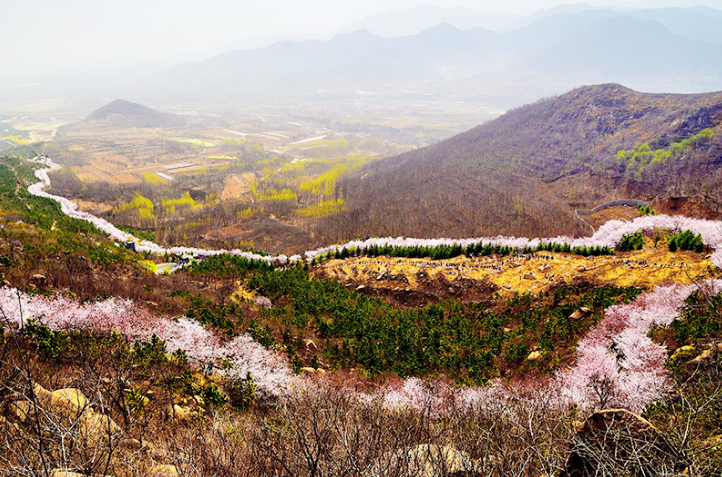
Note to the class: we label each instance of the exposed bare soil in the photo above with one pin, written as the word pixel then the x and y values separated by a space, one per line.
pixel 412 282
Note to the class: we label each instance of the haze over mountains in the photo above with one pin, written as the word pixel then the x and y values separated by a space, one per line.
pixel 434 54
pixel 666 50
pixel 699 23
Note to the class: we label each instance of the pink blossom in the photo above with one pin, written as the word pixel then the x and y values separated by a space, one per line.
pixel 617 363
pixel 269 369
pixel 416 394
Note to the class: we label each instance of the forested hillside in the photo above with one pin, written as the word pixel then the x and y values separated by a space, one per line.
pixel 526 172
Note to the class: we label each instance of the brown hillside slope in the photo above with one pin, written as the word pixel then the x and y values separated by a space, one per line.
pixel 501 176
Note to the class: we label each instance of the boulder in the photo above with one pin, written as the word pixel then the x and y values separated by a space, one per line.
pixel 65 473
pixel 70 398
pixel 683 353
pixel 529 276
pixel 97 427
pixel 685 349
pixel 704 356
pixel 576 315
pixel 534 355
pixel 42 394
pixel 619 442
pixel 72 406
pixel 182 413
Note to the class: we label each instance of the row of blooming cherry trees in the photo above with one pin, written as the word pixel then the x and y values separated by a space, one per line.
pixel 269 369
pixel 617 363
pixel 608 235
pixel 72 210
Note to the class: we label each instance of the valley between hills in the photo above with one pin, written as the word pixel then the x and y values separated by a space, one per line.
pixel 429 242
pixel 424 346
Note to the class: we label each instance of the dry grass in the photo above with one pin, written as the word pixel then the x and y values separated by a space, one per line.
pixel 236 185
pixel 549 269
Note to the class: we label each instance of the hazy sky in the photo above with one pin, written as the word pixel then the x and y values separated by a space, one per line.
pixel 66 34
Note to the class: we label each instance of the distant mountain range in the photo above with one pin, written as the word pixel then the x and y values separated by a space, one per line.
pixel 672 50
pixel 697 23
pixel 411 21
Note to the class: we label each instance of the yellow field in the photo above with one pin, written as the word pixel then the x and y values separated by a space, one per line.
pixel 153 179
pixel 17 140
pixel 195 142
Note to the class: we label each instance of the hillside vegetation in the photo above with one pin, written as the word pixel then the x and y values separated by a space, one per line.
pixel 380 356
pixel 231 181
pixel 121 382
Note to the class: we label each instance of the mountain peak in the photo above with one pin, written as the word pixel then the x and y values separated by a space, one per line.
pixel 444 28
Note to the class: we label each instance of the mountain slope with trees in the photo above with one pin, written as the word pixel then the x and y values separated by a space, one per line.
pixel 527 171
